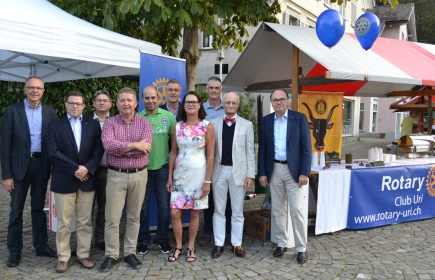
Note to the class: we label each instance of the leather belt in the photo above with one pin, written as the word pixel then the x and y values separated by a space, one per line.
pixel 133 170
pixel 280 161
pixel 35 155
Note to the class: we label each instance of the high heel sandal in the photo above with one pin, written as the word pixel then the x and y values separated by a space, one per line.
pixel 172 257
pixel 189 253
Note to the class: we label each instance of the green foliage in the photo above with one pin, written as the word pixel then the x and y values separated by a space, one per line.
pixel 162 22
pixel 55 93
pixel 393 3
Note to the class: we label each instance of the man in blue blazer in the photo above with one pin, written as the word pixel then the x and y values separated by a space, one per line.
pixel 25 164
pixel 75 148
pixel 284 162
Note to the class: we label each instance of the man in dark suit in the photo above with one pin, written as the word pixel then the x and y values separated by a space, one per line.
pixel 284 161
pixel 25 163
pixel 75 148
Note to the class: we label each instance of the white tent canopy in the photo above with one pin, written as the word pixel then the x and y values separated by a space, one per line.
pixel 38 38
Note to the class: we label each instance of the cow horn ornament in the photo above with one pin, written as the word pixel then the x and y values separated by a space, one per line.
pixel 367 29
pixel 330 27
pixel 319 127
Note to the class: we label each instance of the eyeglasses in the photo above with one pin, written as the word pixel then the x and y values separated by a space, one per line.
pixel 72 104
pixel 173 90
pixel 35 88
pixel 102 100
pixel 229 103
pixel 281 100
pixel 191 103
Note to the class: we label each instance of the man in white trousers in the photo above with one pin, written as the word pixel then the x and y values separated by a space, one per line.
pixel 233 172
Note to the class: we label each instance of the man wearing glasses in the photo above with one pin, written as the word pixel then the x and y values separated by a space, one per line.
pixel 284 162
pixel 214 109
pixel 25 164
pixel 173 92
pixel 75 148
pixel 102 105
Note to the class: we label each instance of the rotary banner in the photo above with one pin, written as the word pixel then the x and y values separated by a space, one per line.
pixel 392 195
pixel 157 70
pixel 324 112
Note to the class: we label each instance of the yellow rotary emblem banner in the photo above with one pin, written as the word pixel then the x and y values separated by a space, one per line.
pixel 324 112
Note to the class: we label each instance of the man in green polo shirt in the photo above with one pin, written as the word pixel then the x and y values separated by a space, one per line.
pixel 163 123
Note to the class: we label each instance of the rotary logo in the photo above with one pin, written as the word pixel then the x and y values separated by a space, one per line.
pixel 160 85
pixel 430 181
pixel 320 106
pixel 362 26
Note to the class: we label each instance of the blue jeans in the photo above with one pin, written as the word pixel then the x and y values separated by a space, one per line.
pixel 157 182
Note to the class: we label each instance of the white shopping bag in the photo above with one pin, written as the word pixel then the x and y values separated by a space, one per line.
pixel 54 214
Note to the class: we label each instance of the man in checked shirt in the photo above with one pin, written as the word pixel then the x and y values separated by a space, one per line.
pixel 127 140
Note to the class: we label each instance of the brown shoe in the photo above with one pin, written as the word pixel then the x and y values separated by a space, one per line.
pixel 217 251
pixel 239 252
pixel 61 267
pixel 86 263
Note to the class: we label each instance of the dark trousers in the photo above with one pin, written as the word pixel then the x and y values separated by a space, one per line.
pixel 38 190
pixel 208 214
pixel 100 198
pixel 157 183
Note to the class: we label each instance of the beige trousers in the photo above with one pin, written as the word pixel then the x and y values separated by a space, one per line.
pixel 123 189
pixel 80 202
pixel 282 187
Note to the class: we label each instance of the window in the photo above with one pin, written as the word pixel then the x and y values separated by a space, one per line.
pixel 291 17
pixel 347 117
pixel 224 69
pixel 206 41
pixel 361 117
pixel 311 23
pixel 352 13
pixel 342 9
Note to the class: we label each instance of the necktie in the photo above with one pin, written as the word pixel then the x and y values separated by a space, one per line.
pixel 232 120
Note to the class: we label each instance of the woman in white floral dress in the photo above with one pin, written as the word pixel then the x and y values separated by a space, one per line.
pixel 190 167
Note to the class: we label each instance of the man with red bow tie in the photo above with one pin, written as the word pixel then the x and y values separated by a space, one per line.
pixel 233 172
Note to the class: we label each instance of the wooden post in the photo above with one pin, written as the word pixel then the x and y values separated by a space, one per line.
pixel 295 80
pixel 429 115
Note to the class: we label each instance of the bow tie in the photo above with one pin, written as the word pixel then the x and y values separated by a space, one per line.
pixel 232 120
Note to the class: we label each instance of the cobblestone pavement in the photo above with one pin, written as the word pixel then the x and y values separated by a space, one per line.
pixel 402 251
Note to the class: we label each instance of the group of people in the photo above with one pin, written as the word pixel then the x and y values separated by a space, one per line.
pixel 192 155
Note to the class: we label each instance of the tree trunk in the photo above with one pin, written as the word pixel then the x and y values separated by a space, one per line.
pixel 191 53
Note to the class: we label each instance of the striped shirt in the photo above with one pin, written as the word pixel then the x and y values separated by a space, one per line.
pixel 117 134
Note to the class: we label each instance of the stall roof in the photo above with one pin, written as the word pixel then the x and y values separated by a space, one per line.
pixel 390 65
pixel 38 38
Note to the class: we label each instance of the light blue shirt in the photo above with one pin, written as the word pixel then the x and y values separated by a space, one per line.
pixel 176 108
pixel 212 112
pixel 280 137
pixel 34 118
pixel 76 126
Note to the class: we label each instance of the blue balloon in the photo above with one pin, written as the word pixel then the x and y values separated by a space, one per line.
pixel 367 29
pixel 330 27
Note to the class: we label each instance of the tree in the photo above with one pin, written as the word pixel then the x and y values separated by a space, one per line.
pixel 164 22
